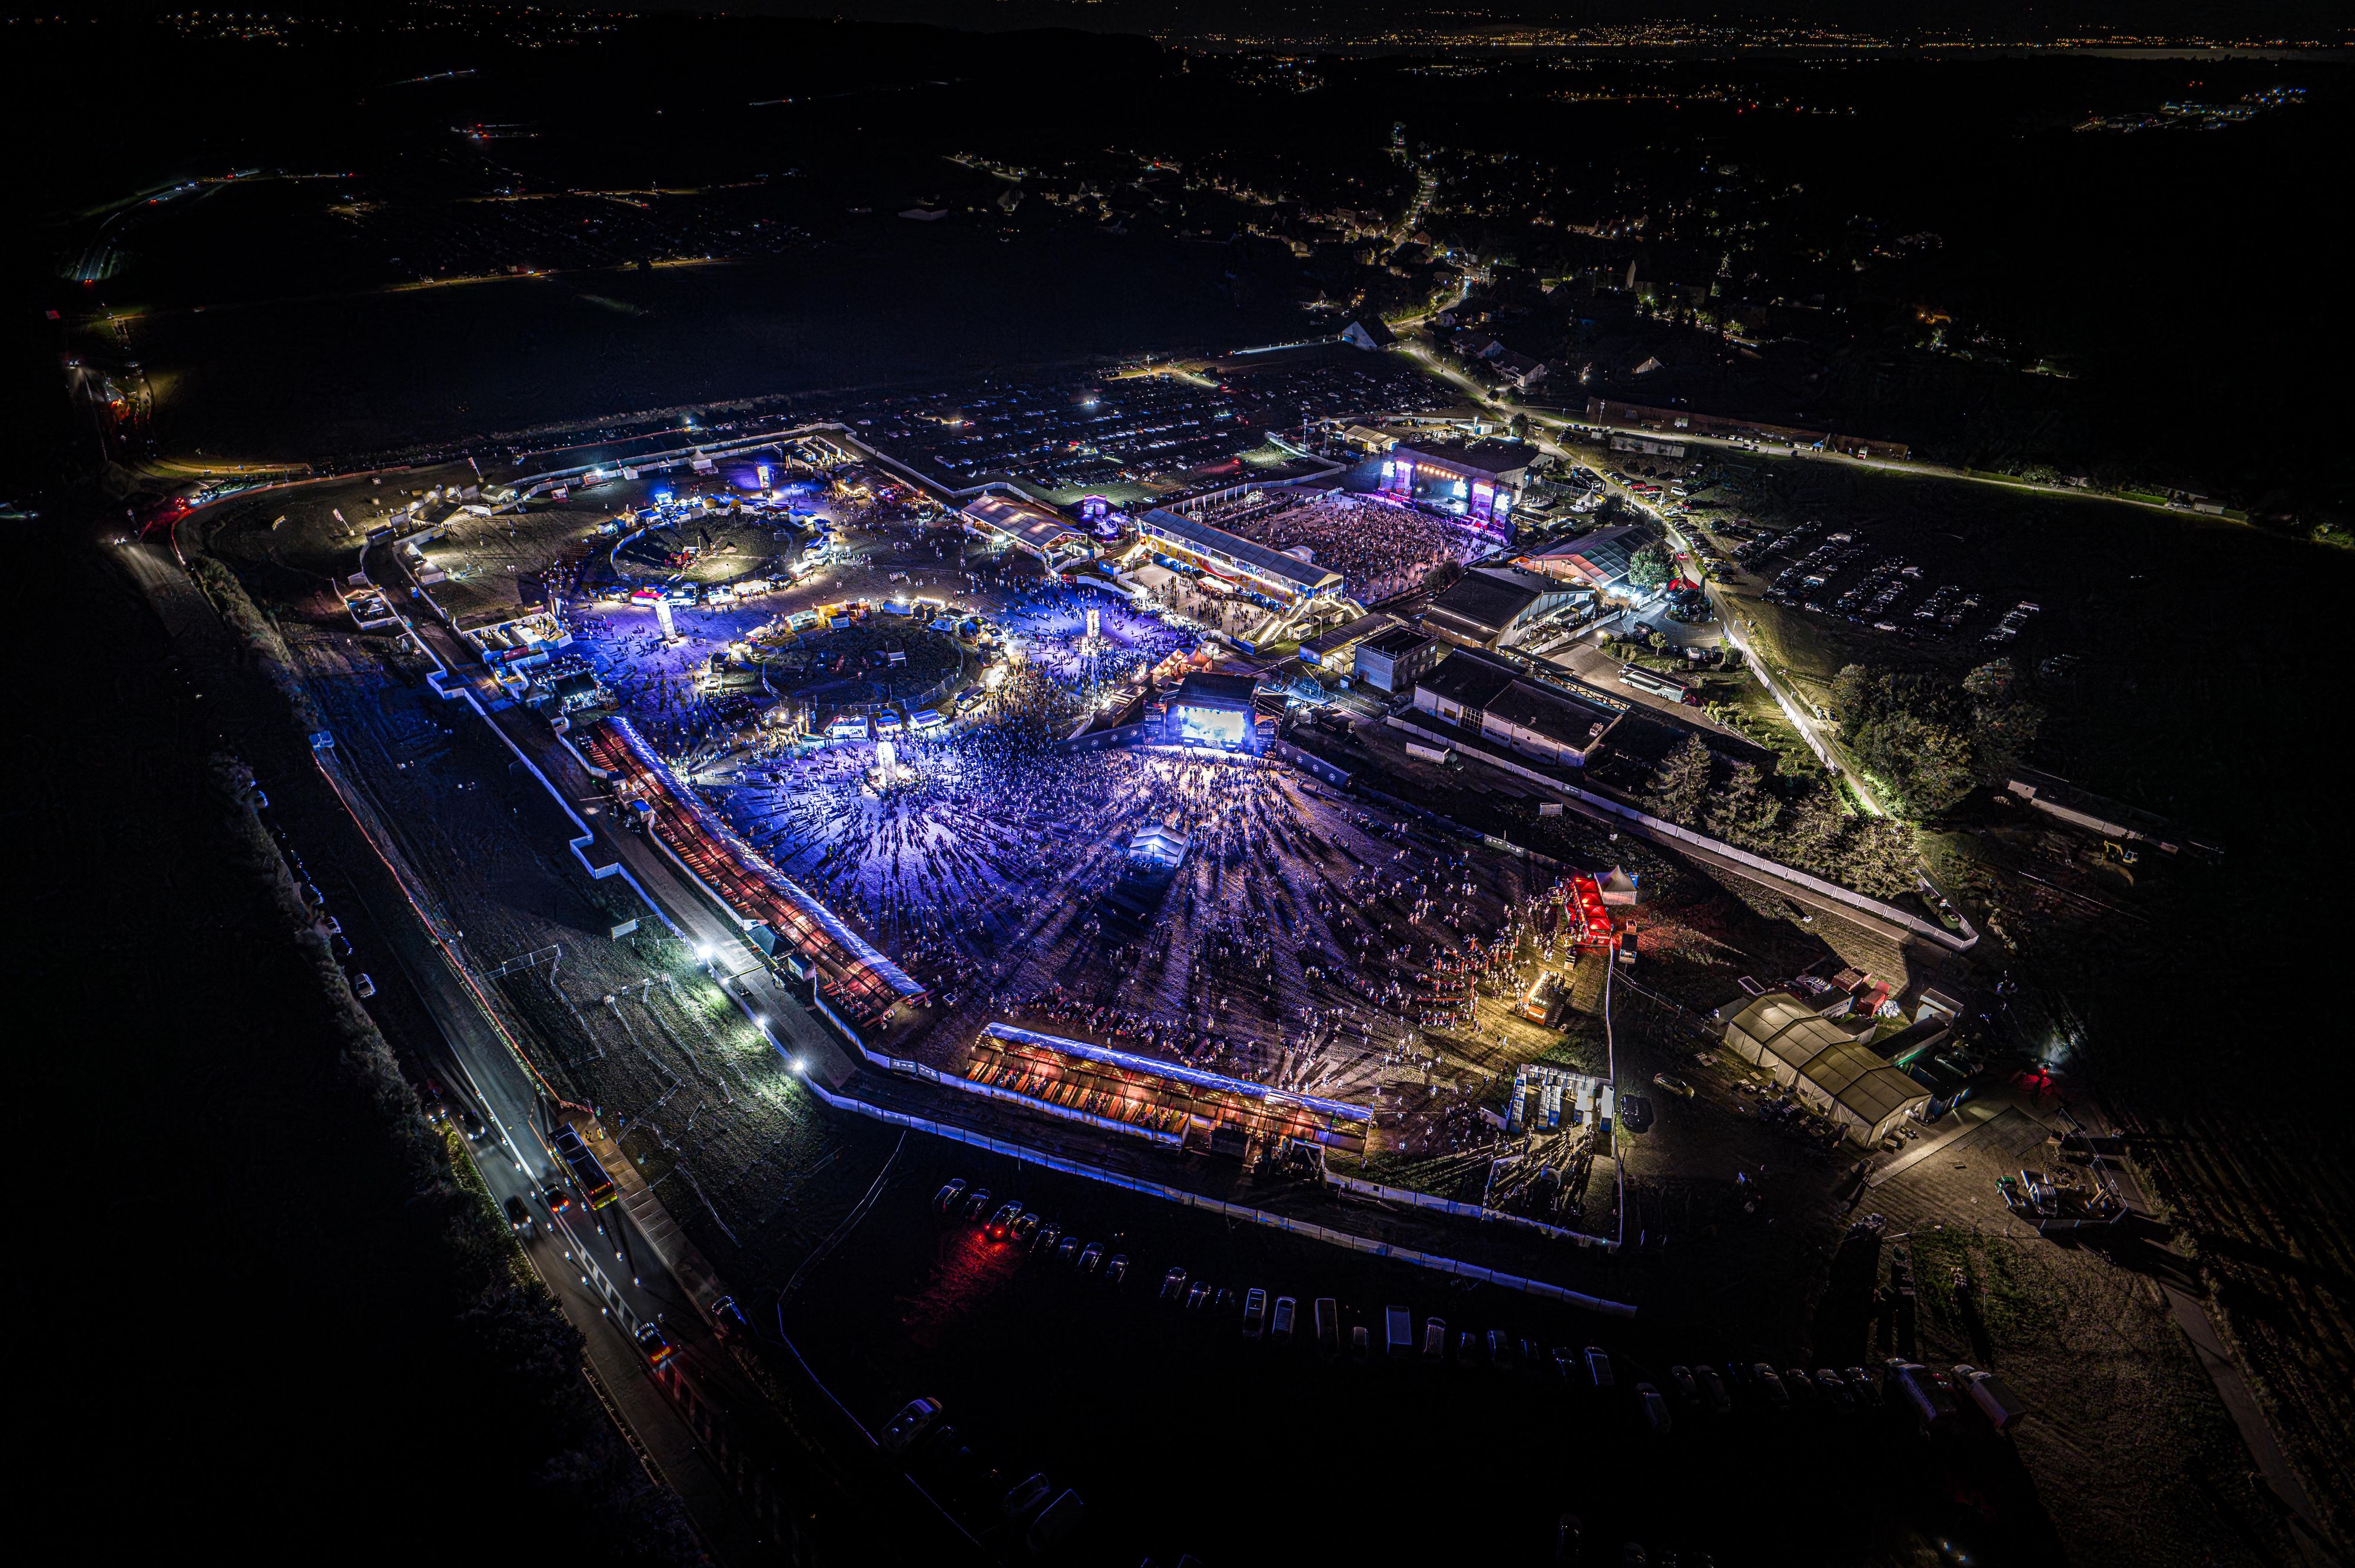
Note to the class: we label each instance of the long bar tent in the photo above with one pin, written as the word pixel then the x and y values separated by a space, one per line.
pixel 857 979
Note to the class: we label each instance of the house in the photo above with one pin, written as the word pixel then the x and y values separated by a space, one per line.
pixel 1518 368
pixel 1488 603
pixel 1369 333
pixel 1489 696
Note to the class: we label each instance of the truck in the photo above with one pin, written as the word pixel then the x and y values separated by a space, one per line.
pixel 1657 685
pixel 2001 1407
pixel 596 1187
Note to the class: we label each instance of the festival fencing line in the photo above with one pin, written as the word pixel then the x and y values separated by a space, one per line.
pixel 1178 1195
pixel 1656 827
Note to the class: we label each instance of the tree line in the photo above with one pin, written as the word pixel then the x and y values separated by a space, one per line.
pixel 1796 822
pixel 1929 741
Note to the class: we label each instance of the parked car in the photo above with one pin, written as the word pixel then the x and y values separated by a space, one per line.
pixel 1280 1328
pixel 1598 1366
pixel 1254 1313
pixel 1834 1390
pixel 1024 1496
pixel 1198 1297
pixel 1675 1086
pixel 1001 1224
pixel 1067 1252
pixel 1652 1411
pixel 915 1418
pixel 946 1199
pixel 363 986
pixel 1713 1391
pixel 1173 1284
pixel 1681 1380
pixel 1025 1227
pixel 1770 1386
pixel 977 1204
pixel 1091 1257
pixel 1117 1269
pixel 1057 1522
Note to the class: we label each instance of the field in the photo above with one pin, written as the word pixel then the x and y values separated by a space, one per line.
pixel 2188 661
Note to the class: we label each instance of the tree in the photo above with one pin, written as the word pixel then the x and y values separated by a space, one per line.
pixel 2002 733
pixel 1814 826
pixel 1881 860
pixel 1659 641
pixel 1680 785
pixel 1990 683
pixel 1518 426
pixel 1744 811
pixel 1651 566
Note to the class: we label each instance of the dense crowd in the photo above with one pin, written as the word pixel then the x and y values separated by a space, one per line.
pixel 1382 548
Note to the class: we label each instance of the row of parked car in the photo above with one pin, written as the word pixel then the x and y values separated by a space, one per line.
pixel 328 926
pixel 1030 1514
pixel 1013 1225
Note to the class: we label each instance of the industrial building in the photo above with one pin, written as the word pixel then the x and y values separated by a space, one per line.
pixel 1396 660
pixel 1026 526
pixel 1489 603
pixel 1336 652
pixel 1829 1069
pixel 1484 479
pixel 1489 696
pixel 1286 578
pixel 1598 559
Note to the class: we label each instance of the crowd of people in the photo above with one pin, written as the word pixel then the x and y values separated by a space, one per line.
pixel 1382 548
pixel 1306 945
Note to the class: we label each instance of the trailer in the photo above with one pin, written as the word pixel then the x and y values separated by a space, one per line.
pixel 1398 1332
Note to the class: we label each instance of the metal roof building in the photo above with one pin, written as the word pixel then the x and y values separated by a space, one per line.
pixel 1598 558
pixel 1025 526
pixel 1287 578
pixel 1825 1066
pixel 1488 603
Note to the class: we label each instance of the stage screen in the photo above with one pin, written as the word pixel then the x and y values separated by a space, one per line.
pixel 1211 726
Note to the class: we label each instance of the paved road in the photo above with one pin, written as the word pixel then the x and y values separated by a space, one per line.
pixel 354 859
pixel 605 1271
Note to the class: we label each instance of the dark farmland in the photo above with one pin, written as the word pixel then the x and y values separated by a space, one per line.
pixel 901 302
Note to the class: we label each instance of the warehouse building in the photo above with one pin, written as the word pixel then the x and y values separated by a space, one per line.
pixel 1396 660
pixel 1027 527
pixel 1286 578
pixel 1598 559
pixel 1494 700
pixel 1488 604
pixel 1829 1069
